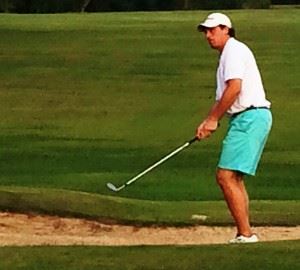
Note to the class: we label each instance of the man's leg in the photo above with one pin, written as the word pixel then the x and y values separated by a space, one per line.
pixel 235 194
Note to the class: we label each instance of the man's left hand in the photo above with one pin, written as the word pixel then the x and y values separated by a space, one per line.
pixel 206 128
pixel 211 124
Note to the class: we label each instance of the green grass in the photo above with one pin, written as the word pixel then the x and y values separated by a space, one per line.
pixel 280 255
pixel 91 98
pixel 141 212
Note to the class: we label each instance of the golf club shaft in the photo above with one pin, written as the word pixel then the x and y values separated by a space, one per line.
pixel 161 161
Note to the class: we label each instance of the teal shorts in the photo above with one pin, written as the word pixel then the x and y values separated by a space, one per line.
pixel 245 140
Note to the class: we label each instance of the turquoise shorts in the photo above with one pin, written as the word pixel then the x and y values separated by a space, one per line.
pixel 245 140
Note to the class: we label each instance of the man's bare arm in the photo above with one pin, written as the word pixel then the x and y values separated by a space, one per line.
pixel 218 110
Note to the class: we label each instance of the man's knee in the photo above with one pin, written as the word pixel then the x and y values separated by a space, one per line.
pixel 221 177
pixel 226 177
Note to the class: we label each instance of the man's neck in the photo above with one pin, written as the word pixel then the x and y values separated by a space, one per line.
pixel 224 43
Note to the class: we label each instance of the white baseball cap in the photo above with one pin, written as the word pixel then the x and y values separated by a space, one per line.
pixel 214 20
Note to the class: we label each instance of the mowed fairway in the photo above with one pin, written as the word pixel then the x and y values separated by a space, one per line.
pixel 90 98
pixel 87 99
pixel 281 256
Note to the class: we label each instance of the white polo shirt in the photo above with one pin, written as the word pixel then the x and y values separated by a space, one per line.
pixel 238 62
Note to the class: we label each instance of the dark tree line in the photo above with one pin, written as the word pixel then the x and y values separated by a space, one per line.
pixel 55 6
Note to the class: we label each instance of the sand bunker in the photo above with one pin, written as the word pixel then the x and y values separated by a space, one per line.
pixel 32 230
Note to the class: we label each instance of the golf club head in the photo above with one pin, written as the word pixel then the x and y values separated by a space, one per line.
pixel 113 187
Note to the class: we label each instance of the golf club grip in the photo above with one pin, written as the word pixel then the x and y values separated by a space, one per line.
pixel 194 140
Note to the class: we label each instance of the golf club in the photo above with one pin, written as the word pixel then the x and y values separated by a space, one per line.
pixel 176 151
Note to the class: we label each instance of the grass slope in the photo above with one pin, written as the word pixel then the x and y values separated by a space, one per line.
pixel 133 211
pixel 275 256
pixel 91 98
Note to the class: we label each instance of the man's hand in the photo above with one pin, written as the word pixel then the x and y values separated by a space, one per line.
pixel 230 94
pixel 206 128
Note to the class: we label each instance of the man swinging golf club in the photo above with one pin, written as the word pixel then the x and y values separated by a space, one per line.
pixel 239 94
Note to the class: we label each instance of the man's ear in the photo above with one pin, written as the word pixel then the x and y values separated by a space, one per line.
pixel 226 30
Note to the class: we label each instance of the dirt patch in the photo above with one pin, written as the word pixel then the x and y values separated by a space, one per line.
pixel 24 230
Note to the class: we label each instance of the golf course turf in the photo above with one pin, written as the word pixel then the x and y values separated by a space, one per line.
pixel 87 99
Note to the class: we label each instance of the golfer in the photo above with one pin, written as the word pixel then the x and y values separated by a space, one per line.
pixel 239 94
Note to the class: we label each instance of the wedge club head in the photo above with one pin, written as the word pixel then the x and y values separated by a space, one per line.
pixel 114 188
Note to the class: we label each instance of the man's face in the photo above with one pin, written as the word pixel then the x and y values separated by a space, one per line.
pixel 217 37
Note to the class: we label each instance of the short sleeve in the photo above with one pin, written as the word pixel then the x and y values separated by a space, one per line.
pixel 234 65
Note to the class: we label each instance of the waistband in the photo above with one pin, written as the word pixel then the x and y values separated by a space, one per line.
pixel 250 108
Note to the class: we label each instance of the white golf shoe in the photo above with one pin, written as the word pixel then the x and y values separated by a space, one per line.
pixel 240 239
